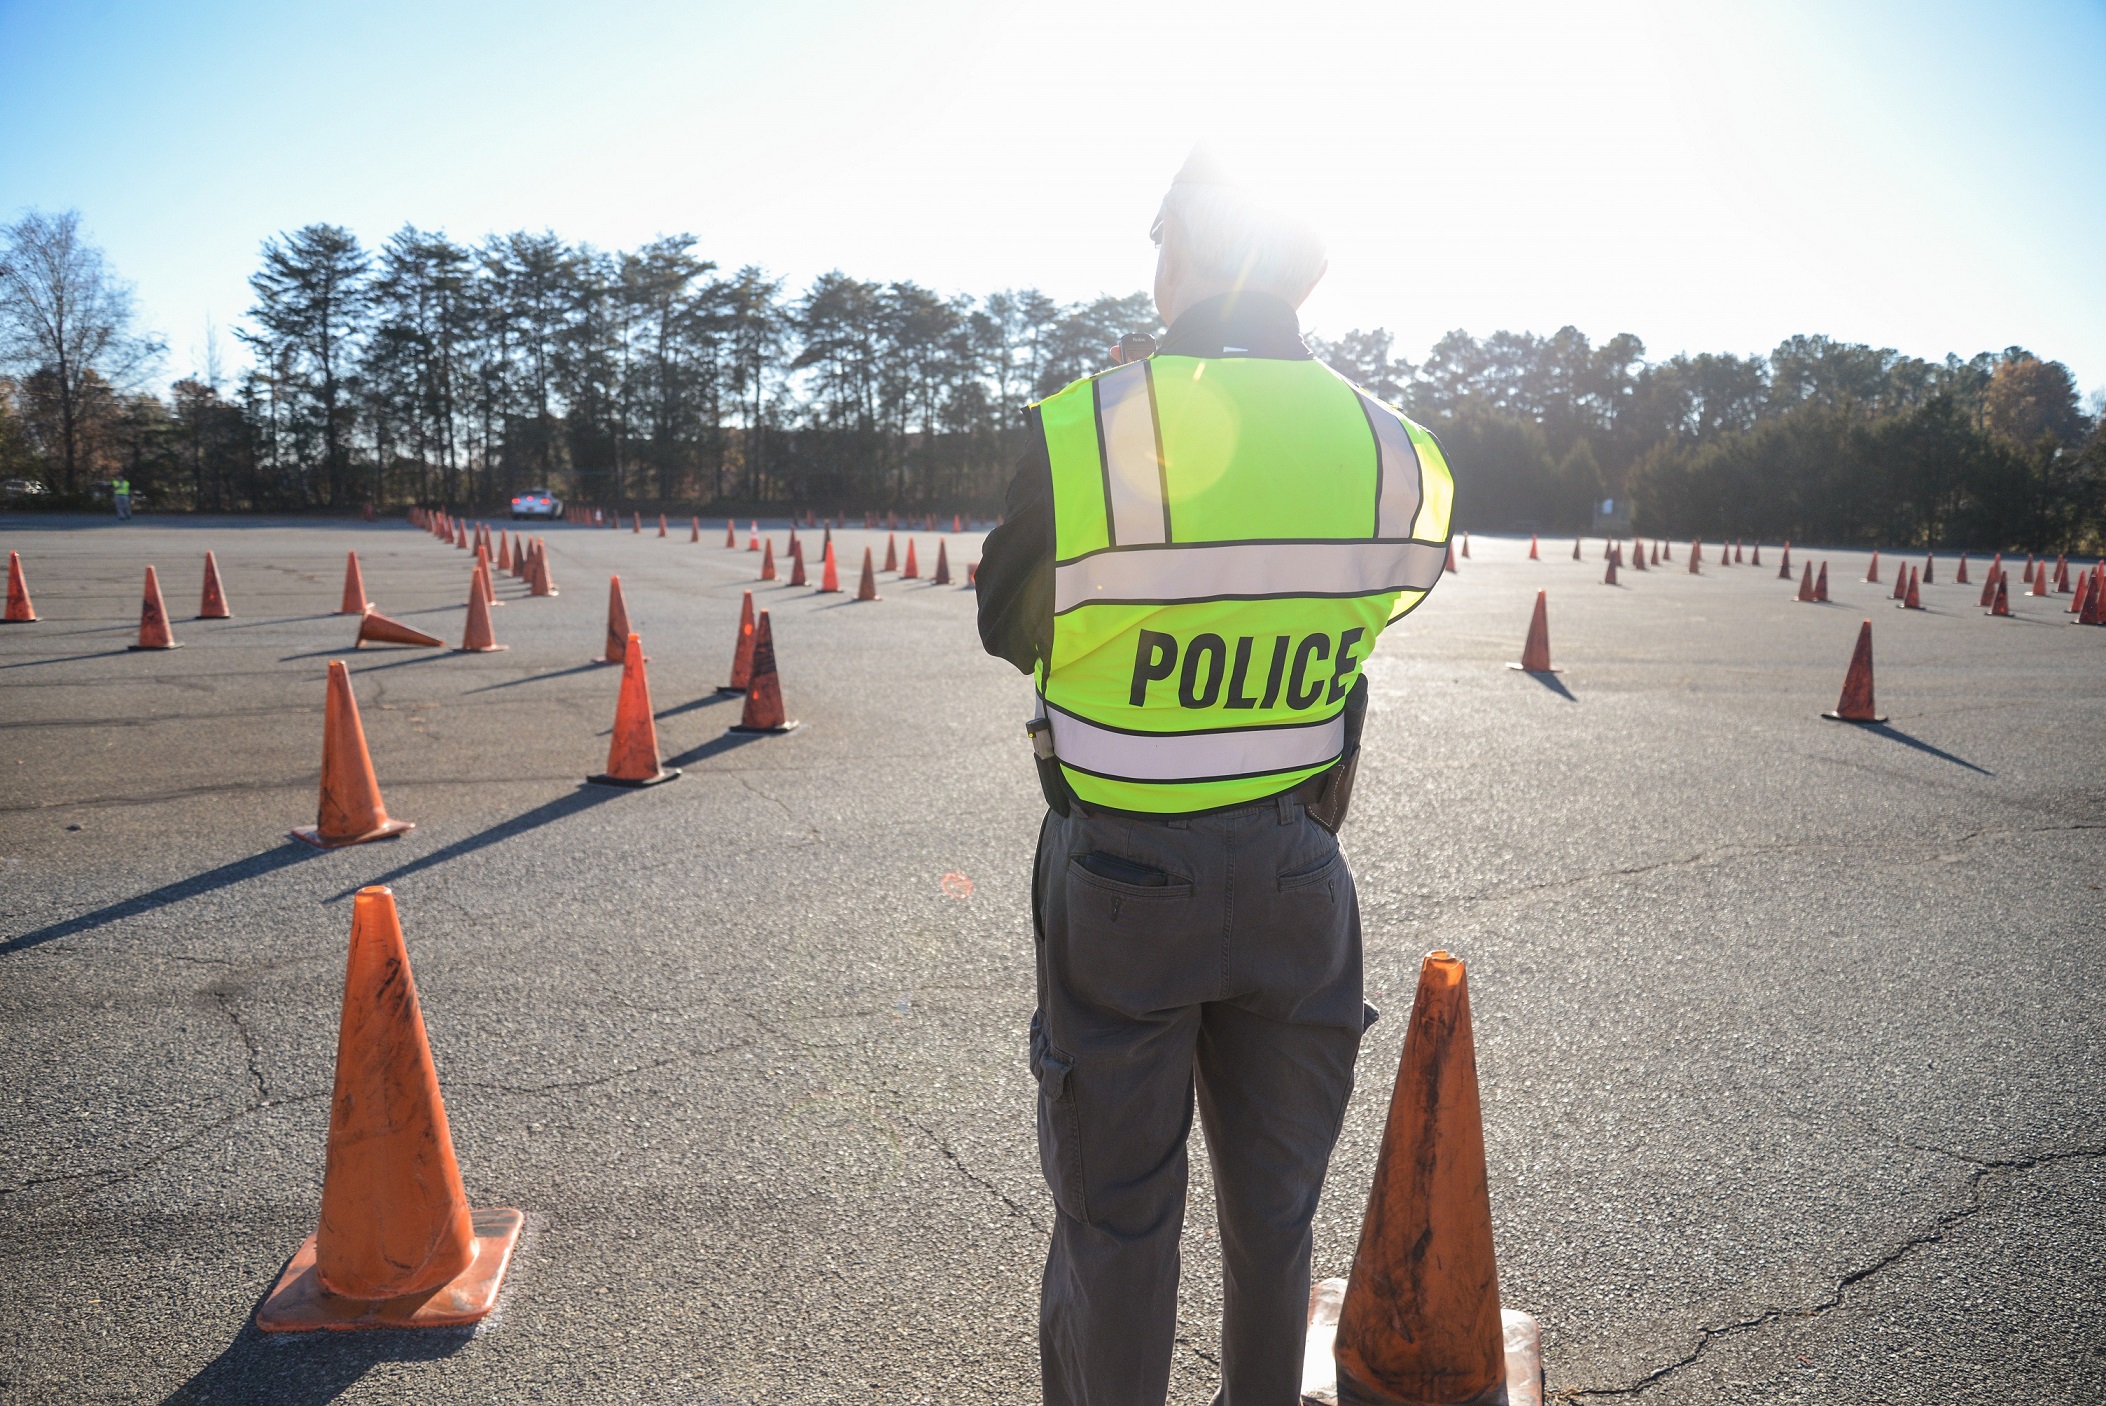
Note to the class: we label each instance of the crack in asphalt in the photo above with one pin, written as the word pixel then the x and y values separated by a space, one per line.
pixel 809 828
pixel 111 1176
pixel 1984 1167
pixel 223 995
pixel 950 1155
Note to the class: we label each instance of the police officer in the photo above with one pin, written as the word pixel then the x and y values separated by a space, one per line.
pixel 1200 550
pixel 121 495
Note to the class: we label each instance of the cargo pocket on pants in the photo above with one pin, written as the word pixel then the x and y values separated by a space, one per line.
pixel 1059 1123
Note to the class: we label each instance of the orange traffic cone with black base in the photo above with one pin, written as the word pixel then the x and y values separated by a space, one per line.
pixel 742 650
pixel 943 566
pixel 763 711
pixel 632 754
pixel 829 573
pixel 1421 1323
pixel 616 648
pixel 1856 704
pixel 153 618
pixel 213 606
pixel 20 610
pixel 351 811
pixel 398 1245
pixel 354 602
pixel 477 637
pixel 1535 652
pixel 866 589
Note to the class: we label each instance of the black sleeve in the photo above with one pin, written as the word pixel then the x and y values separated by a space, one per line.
pixel 1015 577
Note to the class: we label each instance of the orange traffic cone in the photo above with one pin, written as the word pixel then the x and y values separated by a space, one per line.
pixel 635 523
pixel 1737 557
pixel 484 578
pixel 694 529
pixel 1535 653
pixel 214 604
pixel 2094 609
pixel 1912 599
pixel 543 583
pixel 1872 571
pixel 1532 548
pixel 2001 605
pixel 478 638
pixel 1466 546
pixel 20 611
pixel 375 628
pixel 2027 579
pixel 753 536
pixel 1696 558
pixel 943 566
pixel 2040 580
pixel 1856 706
pixel 632 753
pixel 1960 578
pixel 460 535
pixel 1756 560
pixel 1610 578
pixel 661 524
pixel 2061 574
pixel 972 573
pixel 767 561
pixel 866 589
pixel 1637 556
pixel 1663 551
pixel 763 711
pixel 1575 549
pixel 911 571
pixel 153 618
pixel 504 551
pixel 1989 580
pixel 957 523
pixel 1806 594
pixel 1820 584
pixel 355 602
pixel 616 649
pixel 731 535
pixel 1449 565
pixel 891 552
pixel 1421 1322
pixel 1930 564
pixel 829 574
pixel 1901 583
pixel 797 577
pixel 398 1245
pixel 2076 602
pixel 742 650
pixel 351 811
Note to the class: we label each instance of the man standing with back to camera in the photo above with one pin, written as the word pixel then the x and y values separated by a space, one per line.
pixel 1201 547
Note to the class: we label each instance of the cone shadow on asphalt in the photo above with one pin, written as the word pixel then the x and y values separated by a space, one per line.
pixel 707 700
pixel 1888 730
pixel 592 667
pixel 568 804
pixel 254 866
pixel 715 747
pixel 1554 684
pixel 308 1369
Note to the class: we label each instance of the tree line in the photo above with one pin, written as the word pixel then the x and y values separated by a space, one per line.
pixel 433 371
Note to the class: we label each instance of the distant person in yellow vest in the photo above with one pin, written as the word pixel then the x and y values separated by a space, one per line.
pixel 121 495
pixel 1200 550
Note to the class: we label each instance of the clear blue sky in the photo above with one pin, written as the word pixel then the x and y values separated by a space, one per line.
pixel 1710 176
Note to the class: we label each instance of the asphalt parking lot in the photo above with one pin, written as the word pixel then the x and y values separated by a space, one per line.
pixel 1790 1033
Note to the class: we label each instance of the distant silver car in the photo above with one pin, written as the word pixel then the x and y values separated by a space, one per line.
pixel 21 488
pixel 536 502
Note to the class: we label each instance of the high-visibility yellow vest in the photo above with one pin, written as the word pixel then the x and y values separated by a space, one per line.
pixel 1231 536
pixel 122 487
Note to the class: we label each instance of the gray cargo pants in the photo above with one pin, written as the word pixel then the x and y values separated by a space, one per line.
pixel 1238 974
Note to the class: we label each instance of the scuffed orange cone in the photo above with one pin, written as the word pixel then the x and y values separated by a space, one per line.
pixel 767 561
pixel 616 648
pixel 478 637
pixel 153 618
pixel 866 589
pixel 943 566
pixel 1806 594
pixel 632 754
pixel 1535 653
pixel 20 610
pixel 763 711
pixel 398 1245
pixel 2001 605
pixel 213 606
pixel 1856 705
pixel 1820 584
pixel 797 577
pixel 375 628
pixel 1421 1322
pixel 355 602
pixel 742 650
pixel 829 573
pixel 1532 556
pixel 350 812
pixel 891 552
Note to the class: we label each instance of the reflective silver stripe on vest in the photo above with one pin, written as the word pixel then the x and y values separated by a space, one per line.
pixel 1194 756
pixel 1133 472
pixel 1231 570
pixel 1399 502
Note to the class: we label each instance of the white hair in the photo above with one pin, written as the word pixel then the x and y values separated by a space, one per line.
pixel 1232 236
